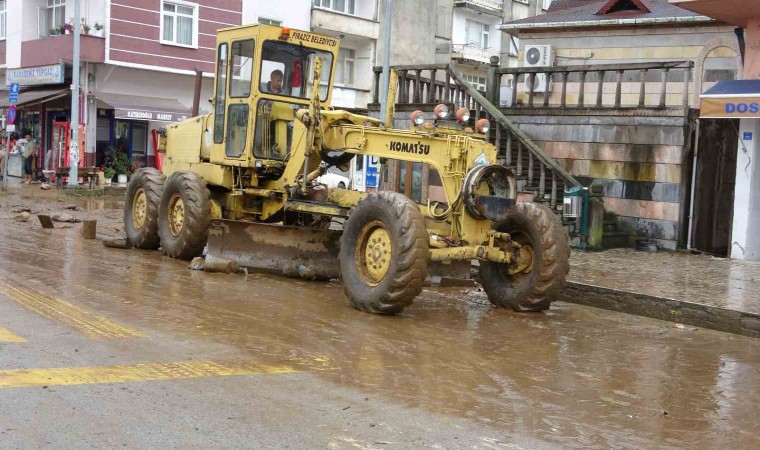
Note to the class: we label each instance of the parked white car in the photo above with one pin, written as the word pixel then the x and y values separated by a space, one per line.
pixel 334 180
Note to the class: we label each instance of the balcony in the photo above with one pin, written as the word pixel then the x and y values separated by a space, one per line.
pixel 471 54
pixel 492 7
pixel 335 23
pixel 54 49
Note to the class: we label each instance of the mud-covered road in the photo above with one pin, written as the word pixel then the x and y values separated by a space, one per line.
pixel 104 348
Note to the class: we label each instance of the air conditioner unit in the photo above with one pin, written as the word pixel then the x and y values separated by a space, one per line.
pixel 538 56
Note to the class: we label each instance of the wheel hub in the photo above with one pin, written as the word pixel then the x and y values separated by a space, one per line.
pixel 139 208
pixel 375 258
pixel 176 215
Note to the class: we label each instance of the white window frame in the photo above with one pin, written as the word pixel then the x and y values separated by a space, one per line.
pixel 3 19
pixel 485 33
pixel 53 5
pixel 476 81
pixel 546 4
pixel 195 7
pixel 328 4
pixel 343 61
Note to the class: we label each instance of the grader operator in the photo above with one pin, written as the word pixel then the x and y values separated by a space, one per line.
pixel 242 181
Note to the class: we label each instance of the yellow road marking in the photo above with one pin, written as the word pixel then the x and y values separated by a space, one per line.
pixel 8 336
pixel 148 372
pixel 78 318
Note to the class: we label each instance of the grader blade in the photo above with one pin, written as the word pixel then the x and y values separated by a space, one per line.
pixel 292 251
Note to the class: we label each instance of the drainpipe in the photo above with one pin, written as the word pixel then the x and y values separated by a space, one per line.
pixel 74 143
pixel 690 241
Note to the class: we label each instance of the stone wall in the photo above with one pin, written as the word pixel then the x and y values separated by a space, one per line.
pixel 640 161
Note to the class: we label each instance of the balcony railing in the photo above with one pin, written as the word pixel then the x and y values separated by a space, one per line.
pixel 637 85
pixel 472 53
pixel 492 5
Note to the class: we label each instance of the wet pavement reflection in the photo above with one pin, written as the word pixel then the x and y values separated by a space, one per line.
pixel 575 376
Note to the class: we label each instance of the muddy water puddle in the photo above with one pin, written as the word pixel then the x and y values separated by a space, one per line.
pixel 574 376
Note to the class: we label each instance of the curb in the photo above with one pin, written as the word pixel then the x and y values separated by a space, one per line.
pixel 679 311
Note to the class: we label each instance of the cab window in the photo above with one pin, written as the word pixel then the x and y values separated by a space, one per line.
pixel 220 104
pixel 274 129
pixel 241 68
pixel 287 70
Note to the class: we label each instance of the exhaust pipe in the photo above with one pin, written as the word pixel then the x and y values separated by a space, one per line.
pixel 197 93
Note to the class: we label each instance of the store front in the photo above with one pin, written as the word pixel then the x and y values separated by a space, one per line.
pixel 730 102
pixel 129 124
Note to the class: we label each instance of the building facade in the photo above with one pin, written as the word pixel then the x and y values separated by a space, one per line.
pixel 735 104
pixel 642 158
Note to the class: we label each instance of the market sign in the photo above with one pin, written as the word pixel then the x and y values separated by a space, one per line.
pixel 158 116
pixel 33 76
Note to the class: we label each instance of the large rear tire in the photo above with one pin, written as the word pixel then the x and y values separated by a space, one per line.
pixel 184 215
pixel 536 226
pixel 384 253
pixel 141 208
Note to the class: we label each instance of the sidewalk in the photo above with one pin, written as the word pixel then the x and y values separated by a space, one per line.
pixel 699 290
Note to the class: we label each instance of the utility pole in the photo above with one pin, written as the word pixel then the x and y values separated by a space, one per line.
pixel 385 76
pixel 74 142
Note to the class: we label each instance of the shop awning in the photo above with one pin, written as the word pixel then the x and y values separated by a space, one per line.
pixel 38 96
pixel 145 108
pixel 731 99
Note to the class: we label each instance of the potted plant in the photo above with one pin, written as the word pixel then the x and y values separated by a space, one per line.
pixel 98 29
pixel 108 175
pixel 68 28
pixel 55 31
pixel 85 27
pixel 121 165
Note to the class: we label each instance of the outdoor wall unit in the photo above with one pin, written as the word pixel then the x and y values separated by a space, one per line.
pixel 538 56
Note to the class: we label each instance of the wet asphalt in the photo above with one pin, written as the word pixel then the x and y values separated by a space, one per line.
pixel 450 372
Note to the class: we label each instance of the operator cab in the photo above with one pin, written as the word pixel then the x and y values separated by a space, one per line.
pixel 266 71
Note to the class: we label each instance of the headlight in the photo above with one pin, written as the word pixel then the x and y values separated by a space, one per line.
pixel 463 115
pixel 441 111
pixel 482 126
pixel 418 118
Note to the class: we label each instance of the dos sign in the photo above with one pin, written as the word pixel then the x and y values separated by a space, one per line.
pixel 729 107
pixel 742 108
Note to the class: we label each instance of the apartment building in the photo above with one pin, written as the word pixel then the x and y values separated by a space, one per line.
pixel 468 30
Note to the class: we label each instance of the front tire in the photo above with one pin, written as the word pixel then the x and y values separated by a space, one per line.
pixel 141 208
pixel 384 253
pixel 184 215
pixel 531 289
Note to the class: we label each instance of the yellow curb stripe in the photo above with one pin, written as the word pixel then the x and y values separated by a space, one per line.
pixel 145 372
pixel 80 319
pixel 8 336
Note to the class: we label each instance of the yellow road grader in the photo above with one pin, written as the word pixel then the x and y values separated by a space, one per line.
pixel 242 182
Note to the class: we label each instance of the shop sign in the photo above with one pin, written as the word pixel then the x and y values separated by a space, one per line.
pixel 32 76
pixel 136 114
pixel 729 107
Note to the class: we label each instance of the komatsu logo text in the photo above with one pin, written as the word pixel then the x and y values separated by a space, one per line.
pixel 410 147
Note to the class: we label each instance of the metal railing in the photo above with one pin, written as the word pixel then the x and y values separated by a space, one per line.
pixel 639 75
pixel 472 53
pixel 537 172
pixel 495 5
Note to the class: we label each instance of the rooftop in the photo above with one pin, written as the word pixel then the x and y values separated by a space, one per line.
pixel 591 13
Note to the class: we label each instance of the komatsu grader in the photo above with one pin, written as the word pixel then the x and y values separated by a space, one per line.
pixel 241 183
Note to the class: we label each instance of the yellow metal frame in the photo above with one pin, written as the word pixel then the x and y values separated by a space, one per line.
pixel 316 128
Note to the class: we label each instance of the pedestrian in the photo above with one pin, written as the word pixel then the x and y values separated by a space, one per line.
pixel 28 149
pixel 3 154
